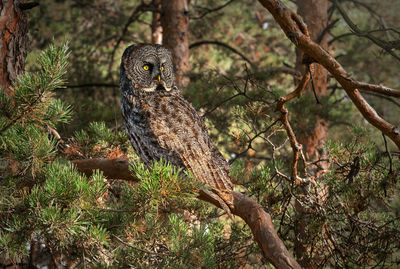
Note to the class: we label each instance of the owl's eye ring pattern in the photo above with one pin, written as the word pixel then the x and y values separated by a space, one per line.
pixel 143 64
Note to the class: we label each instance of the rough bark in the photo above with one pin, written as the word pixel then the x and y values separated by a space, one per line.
pixel 13 49
pixel 250 211
pixel 175 25
pixel 315 15
pixel 13 42
pixel 111 168
pixel 297 32
pixel 156 27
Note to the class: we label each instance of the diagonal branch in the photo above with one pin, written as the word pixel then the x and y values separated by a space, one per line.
pixel 296 31
pixel 250 211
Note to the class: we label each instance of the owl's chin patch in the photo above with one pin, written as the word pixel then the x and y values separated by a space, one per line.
pixel 159 87
pixel 150 89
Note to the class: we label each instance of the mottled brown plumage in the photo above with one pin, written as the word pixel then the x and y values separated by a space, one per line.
pixel 160 123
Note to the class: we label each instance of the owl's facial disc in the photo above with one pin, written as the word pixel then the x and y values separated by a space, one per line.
pixel 151 68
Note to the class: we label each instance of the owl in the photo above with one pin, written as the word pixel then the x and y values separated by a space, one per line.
pixel 161 124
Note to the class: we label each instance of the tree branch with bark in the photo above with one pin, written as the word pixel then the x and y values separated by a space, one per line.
pixel 295 29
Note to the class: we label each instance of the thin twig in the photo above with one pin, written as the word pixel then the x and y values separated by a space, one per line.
pixel 134 16
pixel 382 44
pixel 139 249
pixel 209 10
pixel 312 84
pixel 249 144
pixel 221 44
pixel 116 210
pixel 389 155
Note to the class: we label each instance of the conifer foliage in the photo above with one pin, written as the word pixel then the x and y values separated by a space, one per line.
pixel 50 214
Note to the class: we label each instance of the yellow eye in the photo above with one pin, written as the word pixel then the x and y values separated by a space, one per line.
pixel 162 68
pixel 146 67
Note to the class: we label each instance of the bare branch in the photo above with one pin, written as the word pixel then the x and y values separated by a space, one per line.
pixel 377 88
pixel 326 30
pixel 285 70
pixel 387 46
pixel 249 145
pixel 218 43
pixel 210 10
pixel 393 101
pixel 296 31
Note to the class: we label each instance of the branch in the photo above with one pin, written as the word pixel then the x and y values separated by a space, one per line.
pixel 114 168
pixel 250 211
pixel 134 16
pixel 249 143
pixel 326 30
pixel 297 32
pixel 393 101
pixel 387 46
pixel 136 248
pixel 89 85
pixel 209 10
pixel 296 146
pixel 377 88
pixel 218 43
pixel 284 69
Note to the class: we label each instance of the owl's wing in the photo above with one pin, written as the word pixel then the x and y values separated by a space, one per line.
pixel 179 128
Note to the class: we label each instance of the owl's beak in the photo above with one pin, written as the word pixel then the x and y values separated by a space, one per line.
pixel 157 76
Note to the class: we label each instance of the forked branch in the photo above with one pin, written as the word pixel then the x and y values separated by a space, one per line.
pixel 296 146
pixel 296 31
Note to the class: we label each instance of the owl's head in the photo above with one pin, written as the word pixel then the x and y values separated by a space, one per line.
pixel 148 67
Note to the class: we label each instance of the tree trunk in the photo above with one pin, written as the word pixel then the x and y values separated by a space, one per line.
pixel 156 27
pixel 13 42
pixel 13 47
pixel 175 25
pixel 315 15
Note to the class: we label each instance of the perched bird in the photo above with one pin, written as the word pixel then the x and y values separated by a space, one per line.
pixel 161 124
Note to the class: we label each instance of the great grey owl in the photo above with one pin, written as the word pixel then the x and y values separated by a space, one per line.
pixel 161 124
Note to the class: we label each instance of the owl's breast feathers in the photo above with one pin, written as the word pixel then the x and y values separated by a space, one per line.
pixel 179 129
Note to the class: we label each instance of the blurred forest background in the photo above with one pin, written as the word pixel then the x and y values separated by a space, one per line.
pixel 235 64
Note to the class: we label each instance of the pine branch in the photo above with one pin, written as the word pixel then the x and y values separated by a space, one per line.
pixel 250 211
pixel 32 90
